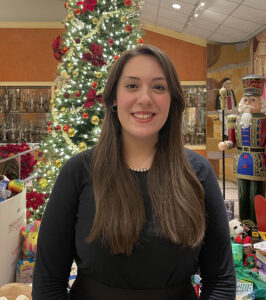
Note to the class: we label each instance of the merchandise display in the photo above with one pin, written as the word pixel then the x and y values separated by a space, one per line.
pixel 23 113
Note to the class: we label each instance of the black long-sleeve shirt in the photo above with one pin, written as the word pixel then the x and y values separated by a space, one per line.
pixel 155 262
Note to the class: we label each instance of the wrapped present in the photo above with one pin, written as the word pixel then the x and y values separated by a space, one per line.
pixel 262 275
pixel 243 287
pixel 237 250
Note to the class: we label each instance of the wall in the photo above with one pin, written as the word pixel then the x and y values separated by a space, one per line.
pixel 188 58
pixel 26 54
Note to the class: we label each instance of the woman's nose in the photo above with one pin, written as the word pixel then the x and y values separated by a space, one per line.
pixel 144 97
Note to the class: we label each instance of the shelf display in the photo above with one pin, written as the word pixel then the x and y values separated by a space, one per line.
pixel 194 124
pixel 24 111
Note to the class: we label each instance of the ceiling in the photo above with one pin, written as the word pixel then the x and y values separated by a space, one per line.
pixel 224 21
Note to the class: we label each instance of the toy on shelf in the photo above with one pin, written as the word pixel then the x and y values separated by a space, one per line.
pixel 30 235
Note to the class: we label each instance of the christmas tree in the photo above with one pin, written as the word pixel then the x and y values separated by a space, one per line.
pixel 96 33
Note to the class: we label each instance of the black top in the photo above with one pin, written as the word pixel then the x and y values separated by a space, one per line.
pixel 154 264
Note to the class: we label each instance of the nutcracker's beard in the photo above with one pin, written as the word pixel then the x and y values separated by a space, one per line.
pixel 246 120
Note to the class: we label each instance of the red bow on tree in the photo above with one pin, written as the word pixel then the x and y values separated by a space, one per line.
pixel 58 52
pixel 95 56
pixel 87 5
pixel 91 97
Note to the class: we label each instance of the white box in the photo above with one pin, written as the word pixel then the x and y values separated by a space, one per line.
pixel 12 218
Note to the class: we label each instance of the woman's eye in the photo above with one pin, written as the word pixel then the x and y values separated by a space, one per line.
pixel 159 87
pixel 131 86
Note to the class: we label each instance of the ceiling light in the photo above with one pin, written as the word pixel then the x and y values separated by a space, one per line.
pixel 196 14
pixel 176 6
pixel 202 3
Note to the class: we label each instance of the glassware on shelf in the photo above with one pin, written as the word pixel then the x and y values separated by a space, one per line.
pixel 194 114
pixel 23 113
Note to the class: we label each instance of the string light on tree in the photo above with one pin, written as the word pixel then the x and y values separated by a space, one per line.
pixel 94 38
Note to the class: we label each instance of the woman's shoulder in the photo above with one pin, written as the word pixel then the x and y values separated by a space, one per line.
pixel 199 164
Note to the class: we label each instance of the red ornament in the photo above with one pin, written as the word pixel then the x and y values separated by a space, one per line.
pixel 57 127
pixel 116 57
pixel 128 28
pixel 49 123
pixel 40 154
pixel 66 95
pixel 65 128
pixel 77 94
pixel 77 11
pixel 110 42
pixel 49 129
pixel 94 84
pixel 127 2
pixel 77 40
pixel 140 41
pixel 66 4
pixel 85 116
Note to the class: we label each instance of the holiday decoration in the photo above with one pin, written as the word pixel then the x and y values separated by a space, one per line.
pixel 27 161
pixel 97 32
pixel 248 133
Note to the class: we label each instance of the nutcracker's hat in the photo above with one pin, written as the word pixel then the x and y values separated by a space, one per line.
pixel 253 85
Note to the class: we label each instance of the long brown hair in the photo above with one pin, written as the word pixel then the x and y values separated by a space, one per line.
pixel 177 197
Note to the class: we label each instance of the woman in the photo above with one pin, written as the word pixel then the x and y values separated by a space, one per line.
pixel 132 211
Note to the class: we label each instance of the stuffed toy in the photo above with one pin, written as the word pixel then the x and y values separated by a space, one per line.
pixel 30 235
pixel 236 232
pixel 15 291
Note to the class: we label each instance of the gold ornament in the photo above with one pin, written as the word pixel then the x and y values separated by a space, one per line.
pixel 124 19
pixel 70 66
pixel 71 132
pixel 75 73
pixel 70 16
pixel 43 182
pixel 94 20
pixel 95 120
pixel 58 163
pixel 38 163
pixel 99 74
pixel 63 109
pixel 50 173
pixel 52 101
pixel 82 146
pixel 64 74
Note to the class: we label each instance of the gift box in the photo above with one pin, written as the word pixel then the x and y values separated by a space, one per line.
pixel 24 270
pixel 237 250
pixel 12 218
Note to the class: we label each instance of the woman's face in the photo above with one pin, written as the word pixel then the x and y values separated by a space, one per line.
pixel 143 98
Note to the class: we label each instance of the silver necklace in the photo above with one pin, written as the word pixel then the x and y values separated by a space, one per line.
pixel 140 170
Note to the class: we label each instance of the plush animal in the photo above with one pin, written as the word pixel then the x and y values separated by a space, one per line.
pixel 30 235
pixel 15 291
pixel 236 232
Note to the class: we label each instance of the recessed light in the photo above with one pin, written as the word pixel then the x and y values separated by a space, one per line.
pixel 176 6
pixel 196 14
pixel 202 3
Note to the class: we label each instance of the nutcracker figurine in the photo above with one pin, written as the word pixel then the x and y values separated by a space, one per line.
pixel 247 132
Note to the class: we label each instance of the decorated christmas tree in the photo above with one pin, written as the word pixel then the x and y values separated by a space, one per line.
pixel 96 33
